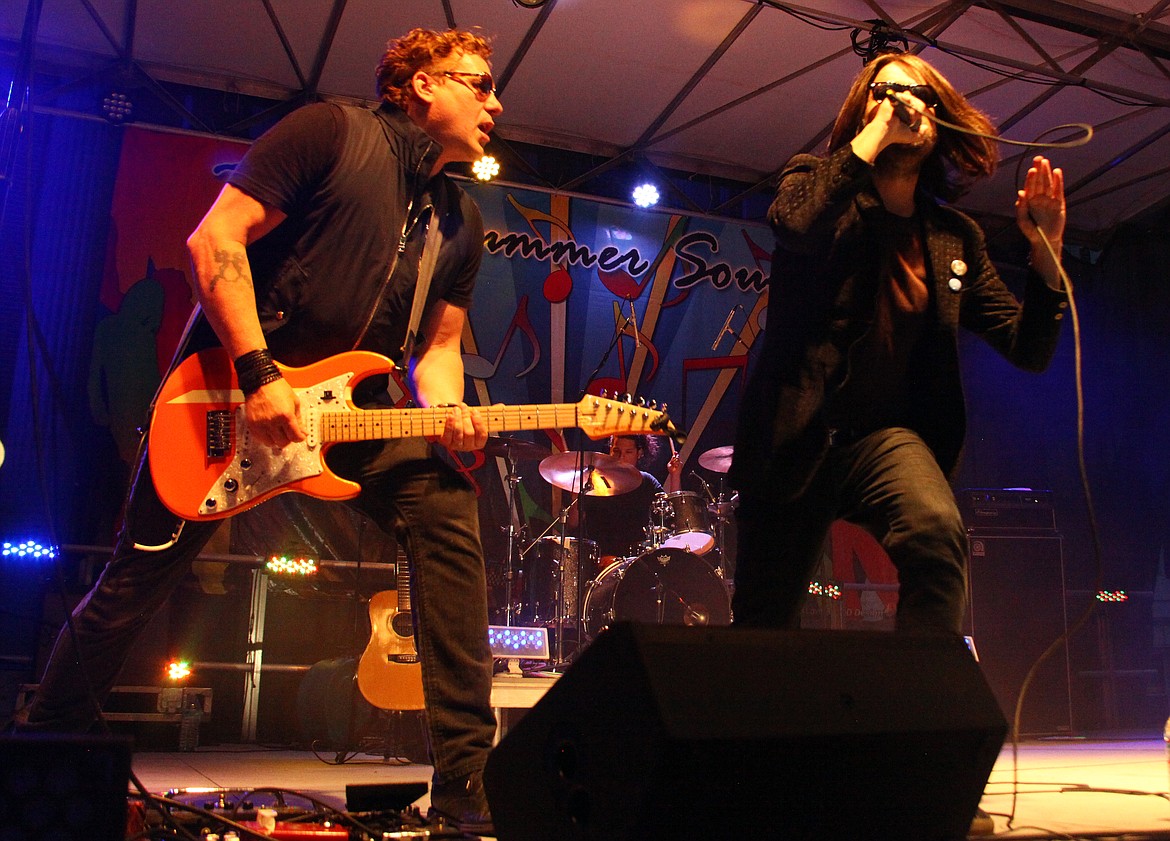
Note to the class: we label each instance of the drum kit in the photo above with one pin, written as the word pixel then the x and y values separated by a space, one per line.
pixel 679 575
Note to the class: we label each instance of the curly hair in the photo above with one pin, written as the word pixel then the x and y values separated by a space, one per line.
pixel 421 49
pixel 958 158
pixel 646 445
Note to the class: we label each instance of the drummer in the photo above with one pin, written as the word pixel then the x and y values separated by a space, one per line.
pixel 618 523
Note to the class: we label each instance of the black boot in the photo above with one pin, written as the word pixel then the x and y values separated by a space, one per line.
pixel 462 802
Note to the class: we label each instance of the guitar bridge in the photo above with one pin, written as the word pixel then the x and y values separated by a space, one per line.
pixel 219 433
pixel 402 658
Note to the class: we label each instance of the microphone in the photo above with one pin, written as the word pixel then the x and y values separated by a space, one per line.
pixel 726 327
pixel 706 487
pixel 902 112
pixel 634 321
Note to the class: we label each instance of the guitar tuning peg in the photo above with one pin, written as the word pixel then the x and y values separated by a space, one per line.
pixel 604 392
pixel 642 401
pixel 629 398
pixel 653 404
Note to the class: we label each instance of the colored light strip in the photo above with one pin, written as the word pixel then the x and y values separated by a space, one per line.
pixel 1112 596
pixel 27 549
pixel 827 590
pixel 284 565
pixel 512 642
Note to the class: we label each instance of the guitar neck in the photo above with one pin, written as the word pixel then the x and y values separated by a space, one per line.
pixel 378 424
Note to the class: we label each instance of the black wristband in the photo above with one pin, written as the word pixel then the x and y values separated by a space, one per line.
pixel 255 369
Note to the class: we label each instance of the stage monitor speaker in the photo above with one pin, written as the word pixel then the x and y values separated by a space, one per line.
pixel 63 787
pixel 671 732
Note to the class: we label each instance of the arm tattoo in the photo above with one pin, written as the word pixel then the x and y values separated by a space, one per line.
pixel 233 267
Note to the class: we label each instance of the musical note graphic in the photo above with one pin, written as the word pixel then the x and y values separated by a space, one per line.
pixel 479 368
pixel 558 286
pixel 477 461
pixel 759 254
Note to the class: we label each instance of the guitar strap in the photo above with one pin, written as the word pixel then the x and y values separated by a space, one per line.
pixel 426 270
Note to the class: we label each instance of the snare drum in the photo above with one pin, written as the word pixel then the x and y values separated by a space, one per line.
pixel 683 518
pixel 547 563
pixel 665 586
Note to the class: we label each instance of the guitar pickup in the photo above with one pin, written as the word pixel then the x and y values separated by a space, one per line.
pixel 219 433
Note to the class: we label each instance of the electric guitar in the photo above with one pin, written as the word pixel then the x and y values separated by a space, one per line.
pixel 206 465
pixel 389 675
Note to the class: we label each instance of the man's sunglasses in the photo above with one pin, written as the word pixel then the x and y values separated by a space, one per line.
pixel 482 83
pixel 923 93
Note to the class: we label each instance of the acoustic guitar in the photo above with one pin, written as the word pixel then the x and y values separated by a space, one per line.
pixel 389 674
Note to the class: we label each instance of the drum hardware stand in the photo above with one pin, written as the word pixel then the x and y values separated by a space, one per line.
pixel 560 524
pixel 584 485
pixel 513 478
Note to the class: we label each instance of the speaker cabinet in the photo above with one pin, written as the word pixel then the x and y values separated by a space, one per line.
pixel 1016 611
pixel 671 732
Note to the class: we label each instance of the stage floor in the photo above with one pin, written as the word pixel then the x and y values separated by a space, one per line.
pixel 1071 788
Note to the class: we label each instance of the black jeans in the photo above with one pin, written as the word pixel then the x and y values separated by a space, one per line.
pixel 408 492
pixel 889 483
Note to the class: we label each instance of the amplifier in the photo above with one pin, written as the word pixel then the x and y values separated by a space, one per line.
pixel 1007 510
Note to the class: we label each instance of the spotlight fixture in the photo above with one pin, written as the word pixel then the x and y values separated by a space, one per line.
pixel 646 195
pixel 529 4
pixel 178 670
pixel 116 107
pixel 486 168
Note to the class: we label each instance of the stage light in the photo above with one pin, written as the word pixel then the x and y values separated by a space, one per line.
pixel 116 107
pixel 1112 596
pixel 509 642
pixel 27 549
pixel 529 4
pixel 486 168
pixel 284 565
pixel 827 590
pixel 646 195
pixel 178 670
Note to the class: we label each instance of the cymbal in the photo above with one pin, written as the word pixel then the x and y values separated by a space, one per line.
pixel 718 459
pixel 502 446
pixel 604 474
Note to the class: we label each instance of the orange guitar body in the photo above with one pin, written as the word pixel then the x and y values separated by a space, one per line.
pixel 206 464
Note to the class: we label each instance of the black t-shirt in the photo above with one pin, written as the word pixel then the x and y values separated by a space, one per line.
pixel 618 523
pixel 346 187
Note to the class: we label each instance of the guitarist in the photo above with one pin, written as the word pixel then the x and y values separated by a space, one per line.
pixel 312 248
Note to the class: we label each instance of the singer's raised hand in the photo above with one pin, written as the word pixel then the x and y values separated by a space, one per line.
pixel 1040 213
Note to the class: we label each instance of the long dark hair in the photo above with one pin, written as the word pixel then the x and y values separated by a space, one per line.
pixel 958 158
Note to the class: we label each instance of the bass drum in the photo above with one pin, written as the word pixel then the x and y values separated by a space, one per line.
pixel 664 586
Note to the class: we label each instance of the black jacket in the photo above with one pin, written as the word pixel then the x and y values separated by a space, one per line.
pixel 825 275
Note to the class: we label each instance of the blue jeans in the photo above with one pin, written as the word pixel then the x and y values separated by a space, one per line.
pixel 889 483
pixel 408 492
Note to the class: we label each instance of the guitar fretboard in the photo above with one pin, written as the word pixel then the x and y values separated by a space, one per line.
pixel 376 424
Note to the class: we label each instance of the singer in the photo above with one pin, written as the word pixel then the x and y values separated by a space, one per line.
pixel 856 408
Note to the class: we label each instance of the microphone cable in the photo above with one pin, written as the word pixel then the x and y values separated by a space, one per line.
pixel 1030 144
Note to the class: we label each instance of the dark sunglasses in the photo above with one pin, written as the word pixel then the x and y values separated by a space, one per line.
pixel 482 83
pixel 923 93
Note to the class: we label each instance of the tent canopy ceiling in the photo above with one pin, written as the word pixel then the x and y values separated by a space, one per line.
pixel 725 88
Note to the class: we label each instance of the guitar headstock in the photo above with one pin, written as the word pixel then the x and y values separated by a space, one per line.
pixel 600 417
